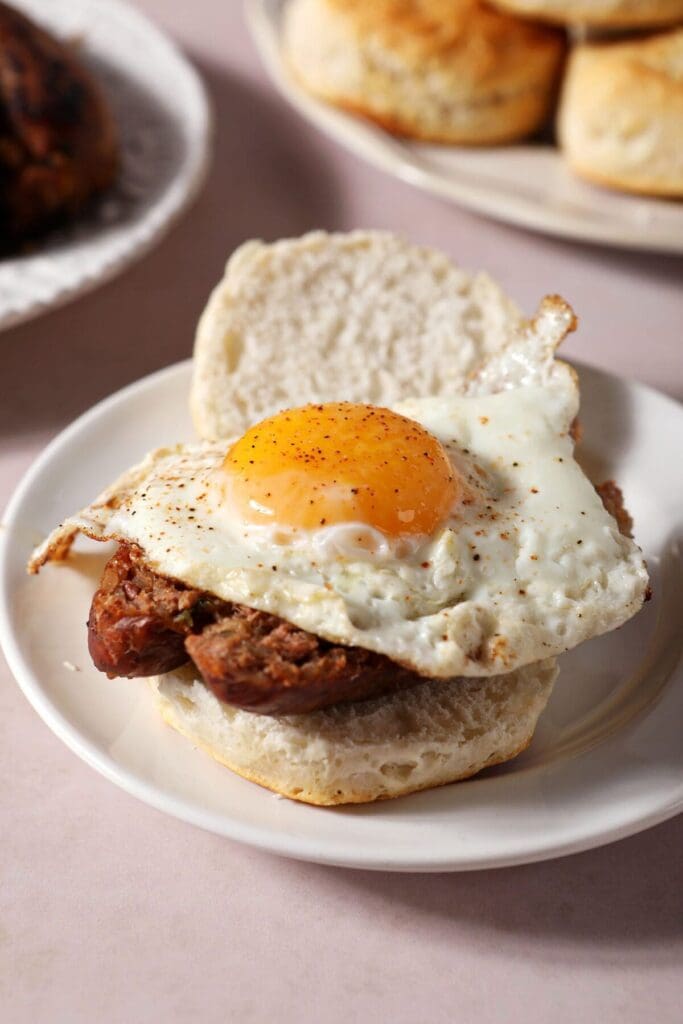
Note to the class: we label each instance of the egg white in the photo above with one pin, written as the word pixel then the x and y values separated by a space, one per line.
pixel 531 567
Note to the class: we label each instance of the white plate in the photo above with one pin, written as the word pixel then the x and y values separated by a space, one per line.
pixel 607 759
pixel 162 114
pixel 526 184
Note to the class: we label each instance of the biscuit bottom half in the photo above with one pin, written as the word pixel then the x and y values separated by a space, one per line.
pixel 413 740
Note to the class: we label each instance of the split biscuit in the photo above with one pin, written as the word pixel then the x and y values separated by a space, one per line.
pixel 429 735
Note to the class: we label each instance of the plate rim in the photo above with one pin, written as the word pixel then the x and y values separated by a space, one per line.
pixel 193 179
pixel 376 147
pixel 262 837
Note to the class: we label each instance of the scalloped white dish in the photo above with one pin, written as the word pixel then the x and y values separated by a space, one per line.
pixel 606 760
pixel 163 118
pixel 526 184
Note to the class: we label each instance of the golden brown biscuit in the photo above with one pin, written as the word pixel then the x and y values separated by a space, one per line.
pixel 598 13
pixel 620 122
pixel 452 71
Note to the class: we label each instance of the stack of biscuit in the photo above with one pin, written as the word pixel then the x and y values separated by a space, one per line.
pixel 466 73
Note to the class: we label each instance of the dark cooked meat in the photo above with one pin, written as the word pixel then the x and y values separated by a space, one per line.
pixel 139 620
pixel 143 624
pixel 58 142
pixel 261 663
pixel 613 500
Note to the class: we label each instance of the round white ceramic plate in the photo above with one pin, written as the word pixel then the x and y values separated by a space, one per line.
pixel 526 184
pixel 163 118
pixel 606 760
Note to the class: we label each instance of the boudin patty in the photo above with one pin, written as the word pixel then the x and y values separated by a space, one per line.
pixel 143 624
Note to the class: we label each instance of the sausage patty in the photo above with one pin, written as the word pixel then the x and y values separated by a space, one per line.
pixel 139 620
pixel 613 500
pixel 144 624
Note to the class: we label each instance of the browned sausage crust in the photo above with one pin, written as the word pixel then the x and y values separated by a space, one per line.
pixel 261 663
pixel 613 500
pixel 143 624
pixel 58 142
pixel 139 620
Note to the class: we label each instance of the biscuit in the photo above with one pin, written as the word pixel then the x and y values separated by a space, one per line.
pixel 357 752
pixel 611 14
pixel 361 317
pixel 448 71
pixel 620 121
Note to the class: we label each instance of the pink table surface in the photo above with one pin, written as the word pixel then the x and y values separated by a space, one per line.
pixel 112 911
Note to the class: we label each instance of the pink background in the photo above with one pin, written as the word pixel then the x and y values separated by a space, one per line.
pixel 111 911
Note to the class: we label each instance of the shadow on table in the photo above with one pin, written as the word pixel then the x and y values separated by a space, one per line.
pixel 658 266
pixel 627 895
pixel 268 179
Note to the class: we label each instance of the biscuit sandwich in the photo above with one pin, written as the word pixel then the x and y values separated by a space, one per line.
pixel 356 585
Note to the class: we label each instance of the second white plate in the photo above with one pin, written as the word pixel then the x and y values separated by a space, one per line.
pixel 606 760
pixel 526 184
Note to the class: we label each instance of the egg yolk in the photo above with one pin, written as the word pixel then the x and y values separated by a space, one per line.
pixel 340 462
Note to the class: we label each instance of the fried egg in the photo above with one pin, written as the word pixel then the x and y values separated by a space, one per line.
pixel 457 535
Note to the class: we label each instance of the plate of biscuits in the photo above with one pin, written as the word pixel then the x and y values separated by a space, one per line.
pixel 562 117
pixel 404 585
pixel 104 135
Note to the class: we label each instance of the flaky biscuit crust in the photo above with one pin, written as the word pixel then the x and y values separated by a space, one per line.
pixel 447 71
pixel 609 14
pixel 620 121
